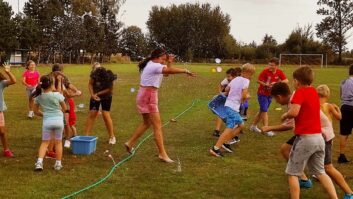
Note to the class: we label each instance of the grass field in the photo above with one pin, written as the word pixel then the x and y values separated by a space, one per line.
pixel 255 170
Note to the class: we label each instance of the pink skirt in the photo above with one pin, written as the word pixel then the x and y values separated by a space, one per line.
pixel 147 100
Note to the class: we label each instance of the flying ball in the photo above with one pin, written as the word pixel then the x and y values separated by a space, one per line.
pixel 278 109
pixel 132 90
pixel 219 69
pixel 213 70
pixel 81 105
pixel 218 60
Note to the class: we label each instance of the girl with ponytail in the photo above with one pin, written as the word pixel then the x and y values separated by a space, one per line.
pixel 152 69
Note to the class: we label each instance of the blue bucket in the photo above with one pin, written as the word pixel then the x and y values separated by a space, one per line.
pixel 216 105
pixel 83 145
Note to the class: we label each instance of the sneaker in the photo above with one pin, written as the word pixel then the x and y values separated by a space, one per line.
pixel 254 129
pixel 67 144
pixel 8 153
pixel 244 117
pixel 342 159
pixel 112 140
pixel 51 154
pixel 348 196
pixel 227 148
pixel 216 153
pixel 269 134
pixel 216 133
pixel 38 166
pixel 234 140
pixel 305 184
pixel 57 166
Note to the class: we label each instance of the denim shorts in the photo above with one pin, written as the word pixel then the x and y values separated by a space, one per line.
pixel 264 102
pixel 233 118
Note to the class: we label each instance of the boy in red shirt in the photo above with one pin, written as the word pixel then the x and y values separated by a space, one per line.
pixel 309 145
pixel 267 79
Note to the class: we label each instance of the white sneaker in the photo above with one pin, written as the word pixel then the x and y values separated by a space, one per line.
pixel 254 129
pixel 30 114
pixel 57 166
pixel 67 144
pixel 270 134
pixel 38 166
pixel 112 140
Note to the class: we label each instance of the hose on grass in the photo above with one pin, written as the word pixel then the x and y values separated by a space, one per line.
pixel 100 181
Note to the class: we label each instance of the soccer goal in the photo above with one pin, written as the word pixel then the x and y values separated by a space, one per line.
pixel 313 60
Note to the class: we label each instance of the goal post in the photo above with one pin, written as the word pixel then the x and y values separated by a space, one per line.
pixel 302 59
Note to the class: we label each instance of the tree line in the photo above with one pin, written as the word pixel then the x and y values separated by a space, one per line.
pixel 72 31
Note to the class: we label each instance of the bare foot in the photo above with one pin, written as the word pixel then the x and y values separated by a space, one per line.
pixel 129 149
pixel 165 159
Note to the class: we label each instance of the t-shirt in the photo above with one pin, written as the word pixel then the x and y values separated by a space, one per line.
pixel 347 92
pixel 267 76
pixel 3 85
pixel 32 77
pixel 308 119
pixel 326 127
pixel 234 98
pixel 50 103
pixel 224 83
pixel 152 74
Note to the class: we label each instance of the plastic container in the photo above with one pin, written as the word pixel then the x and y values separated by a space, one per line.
pixel 216 105
pixel 83 145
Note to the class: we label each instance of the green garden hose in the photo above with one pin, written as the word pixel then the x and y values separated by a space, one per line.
pixel 100 181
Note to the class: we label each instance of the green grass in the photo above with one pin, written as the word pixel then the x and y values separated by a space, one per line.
pixel 255 170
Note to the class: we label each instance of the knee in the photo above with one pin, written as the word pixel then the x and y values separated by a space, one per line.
pixel 285 149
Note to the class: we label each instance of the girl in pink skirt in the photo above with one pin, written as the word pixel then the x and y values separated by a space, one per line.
pixel 152 70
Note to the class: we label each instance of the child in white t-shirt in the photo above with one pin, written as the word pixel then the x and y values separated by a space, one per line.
pixel 237 93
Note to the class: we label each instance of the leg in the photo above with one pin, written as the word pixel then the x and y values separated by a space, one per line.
pixel 257 119
pixel 73 130
pixel 343 143
pixel 139 131
pixel 218 124
pixel 285 151
pixel 158 136
pixel 90 121
pixel 327 185
pixel 43 148
pixel 294 188
pixel 108 123
pixel 51 145
pixel 264 117
pixel 338 178
pixel 227 135
pixel 3 137
pixel 30 104
pixel 58 149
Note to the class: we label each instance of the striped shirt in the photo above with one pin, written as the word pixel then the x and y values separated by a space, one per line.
pixel 347 92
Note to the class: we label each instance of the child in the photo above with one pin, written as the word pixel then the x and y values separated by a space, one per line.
pixel 101 89
pixel 271 75
pixel 346 123
pixel 237 91
pixel 231 74
pixel 30 80
pixel 53 106
pixel 309 146
pixel 152 70
pixel 4 82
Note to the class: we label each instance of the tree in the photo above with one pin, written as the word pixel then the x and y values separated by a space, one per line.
pixel 268 48
pixel 337 23
pixel 133 42
pixel 189 29
pixel 8 40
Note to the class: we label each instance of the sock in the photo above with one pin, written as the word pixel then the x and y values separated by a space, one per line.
pixel 58 162
pixel 215 148
pixel 246 111
pixel 40 160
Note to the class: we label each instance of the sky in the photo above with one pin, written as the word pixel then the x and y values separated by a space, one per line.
pixel 250 19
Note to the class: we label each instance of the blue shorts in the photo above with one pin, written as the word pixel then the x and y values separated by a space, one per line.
pixel 233 118
pixel 264 101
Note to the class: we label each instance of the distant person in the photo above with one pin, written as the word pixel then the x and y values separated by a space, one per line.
pixel 152 69
pixel 101 90
pixel 30 80
pixel 346 124
pixel 271 75
pixel 53 107
pixel 237 93
pixel 5 82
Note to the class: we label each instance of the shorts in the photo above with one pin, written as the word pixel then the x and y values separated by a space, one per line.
pixel 30 90
pixel 233 118
pixel 264 102
pixel 52 128
pixel 346 123
pixel 307 150
pixel 328 150
pixel 105 101
pixel 72 114
pixel 147 100
pixel 2 119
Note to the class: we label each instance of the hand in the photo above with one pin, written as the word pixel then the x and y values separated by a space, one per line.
pixel 78 93
pixel 189 73
pixel 284 117
pixel 336 107
pixel 60 77
pixel 95 97
pixel 7 67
